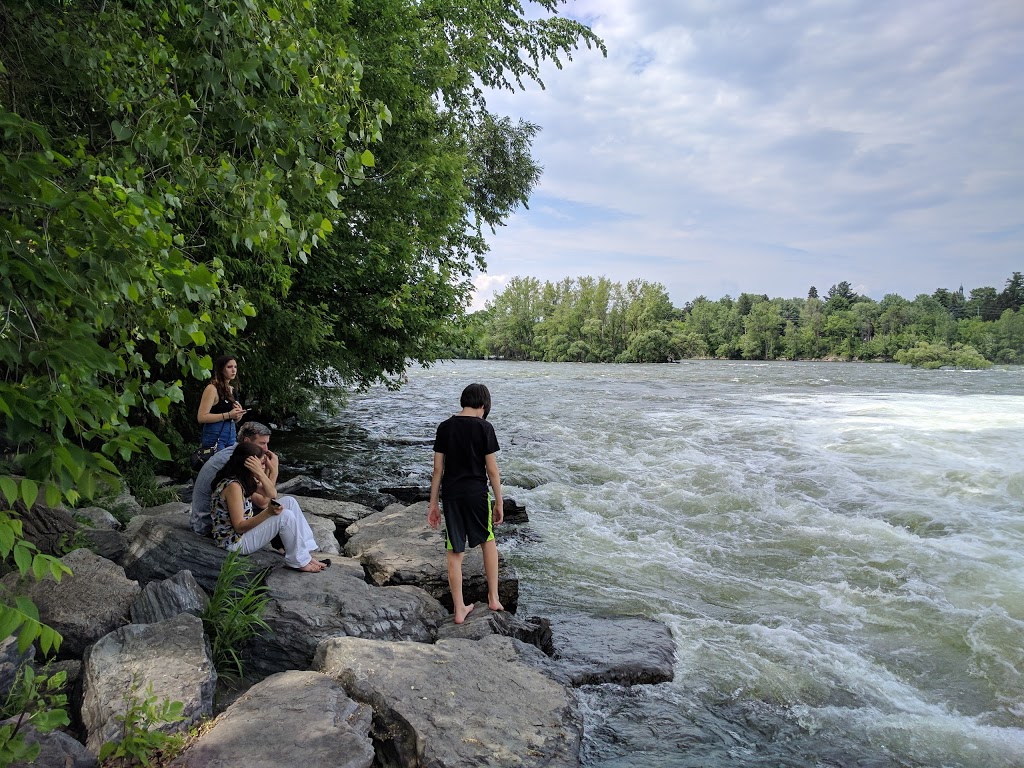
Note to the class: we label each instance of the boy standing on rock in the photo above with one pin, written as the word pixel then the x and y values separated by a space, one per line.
pixel 464 460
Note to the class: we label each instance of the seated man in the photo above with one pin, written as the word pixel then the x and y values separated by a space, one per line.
pixel 200 518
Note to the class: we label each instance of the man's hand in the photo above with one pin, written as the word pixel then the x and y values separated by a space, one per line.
pixel 434 515
pixel 271 461
pixel 498 511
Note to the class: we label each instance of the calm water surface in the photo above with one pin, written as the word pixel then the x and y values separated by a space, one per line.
pixel 838 548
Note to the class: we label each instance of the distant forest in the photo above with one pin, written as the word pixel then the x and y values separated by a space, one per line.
pixel 595 320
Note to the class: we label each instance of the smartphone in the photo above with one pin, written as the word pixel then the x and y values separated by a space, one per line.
pixel 275 503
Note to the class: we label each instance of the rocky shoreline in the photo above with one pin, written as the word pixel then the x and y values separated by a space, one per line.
pixel 363 664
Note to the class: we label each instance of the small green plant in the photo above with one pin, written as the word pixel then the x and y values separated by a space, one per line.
pixel 141 740
pixel 235 613
pixel 34 699
pixel 71 542
pixel 140 477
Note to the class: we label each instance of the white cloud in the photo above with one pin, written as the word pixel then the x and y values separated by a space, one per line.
pixel 484 288
pixel 748 146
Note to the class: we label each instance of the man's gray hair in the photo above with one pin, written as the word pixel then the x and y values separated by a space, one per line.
pixel 253 429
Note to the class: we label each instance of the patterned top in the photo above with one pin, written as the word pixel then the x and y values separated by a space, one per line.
pixel 224 534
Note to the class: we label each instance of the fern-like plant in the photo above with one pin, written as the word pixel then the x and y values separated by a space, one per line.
pixel 235 613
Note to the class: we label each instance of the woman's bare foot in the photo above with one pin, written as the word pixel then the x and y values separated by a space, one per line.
pixel 495 606
pixel 313 566
pixel 460 616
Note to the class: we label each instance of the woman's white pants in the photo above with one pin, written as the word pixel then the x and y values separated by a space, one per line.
pixel 295 533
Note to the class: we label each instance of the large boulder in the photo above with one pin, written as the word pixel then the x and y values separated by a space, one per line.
pixel 306 608
pixel 161 545
pixel 169 660
pixel 84 606
pixel 397 546
pixel 290 719
pixel 162 600
pixel 456 703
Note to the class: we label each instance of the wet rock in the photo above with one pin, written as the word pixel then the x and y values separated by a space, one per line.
pixel 290 719
pixel 397 546
pixel 515 514
pixel 173 657
pixel 625 651
pixel 483 622
pixel 162 600
pixel 456 703
pixel 302 485
pixel 408 494
pixel 306 608
pixel 86 605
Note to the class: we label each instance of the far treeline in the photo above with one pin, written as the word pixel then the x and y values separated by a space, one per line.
pixel 594 320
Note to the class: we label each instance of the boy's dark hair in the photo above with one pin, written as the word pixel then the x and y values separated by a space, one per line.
pixel 236 469
pixel 476 396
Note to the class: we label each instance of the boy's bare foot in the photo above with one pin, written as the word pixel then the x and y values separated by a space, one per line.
pixel 495 606
pixel 460 616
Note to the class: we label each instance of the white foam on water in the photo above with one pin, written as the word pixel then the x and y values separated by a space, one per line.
pixel 845 543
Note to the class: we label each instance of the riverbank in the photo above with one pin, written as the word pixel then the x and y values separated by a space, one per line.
pixel 365 637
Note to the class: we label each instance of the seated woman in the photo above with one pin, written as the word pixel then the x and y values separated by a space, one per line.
pixel 219 411
pixel 238 526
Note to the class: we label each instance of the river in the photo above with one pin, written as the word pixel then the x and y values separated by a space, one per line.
pixel 837 548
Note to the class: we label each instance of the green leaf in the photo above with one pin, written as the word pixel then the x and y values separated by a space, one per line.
pixel 29 492
pixel 273 14
pixel 326 226
pixel 9 488
pixel 367 158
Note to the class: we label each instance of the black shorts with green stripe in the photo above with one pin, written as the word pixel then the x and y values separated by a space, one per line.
pixel 467 520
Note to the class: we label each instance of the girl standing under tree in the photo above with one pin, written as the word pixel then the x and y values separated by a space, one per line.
pixel 219 411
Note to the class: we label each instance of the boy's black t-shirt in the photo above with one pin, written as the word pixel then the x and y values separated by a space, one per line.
pixel 464 441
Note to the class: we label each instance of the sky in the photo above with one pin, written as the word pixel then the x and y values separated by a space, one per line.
pixel 730 146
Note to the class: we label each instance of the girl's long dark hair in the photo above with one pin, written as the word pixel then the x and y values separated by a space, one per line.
pixel 224 389
pixel 236 469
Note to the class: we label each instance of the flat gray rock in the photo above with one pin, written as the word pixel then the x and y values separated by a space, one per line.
pixel 289 719
pixel 397 546
pixel 456 703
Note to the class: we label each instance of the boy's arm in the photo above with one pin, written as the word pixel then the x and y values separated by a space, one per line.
pixel 491 465
pixel 434 512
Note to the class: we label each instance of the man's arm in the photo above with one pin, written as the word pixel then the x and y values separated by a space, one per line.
pixel 491 465
pixel 434 513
